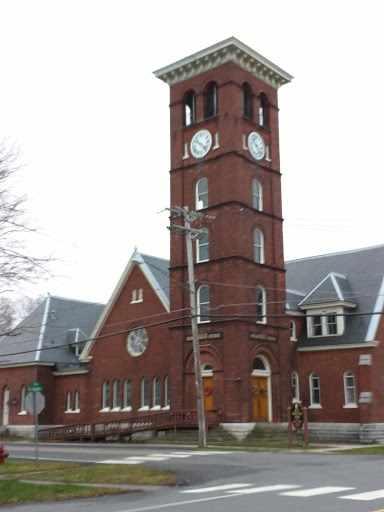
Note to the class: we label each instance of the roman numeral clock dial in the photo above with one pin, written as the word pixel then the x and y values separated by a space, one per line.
pixel 201 143
pixel 256 145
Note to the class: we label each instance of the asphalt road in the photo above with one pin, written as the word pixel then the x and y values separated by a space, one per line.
pixel 226 481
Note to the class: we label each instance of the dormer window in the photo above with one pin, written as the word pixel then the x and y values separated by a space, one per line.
pixel 325 323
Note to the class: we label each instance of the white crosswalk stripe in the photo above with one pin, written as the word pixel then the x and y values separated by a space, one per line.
pixel 317 491
pixel 289 490
pixel 365 496
pixel 266 488
pixel 155 457
pixel 217 488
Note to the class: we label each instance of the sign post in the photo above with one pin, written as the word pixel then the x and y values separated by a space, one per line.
pixel 34 404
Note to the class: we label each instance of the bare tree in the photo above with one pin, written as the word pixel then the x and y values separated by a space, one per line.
pixel 13 310
pixel 17 265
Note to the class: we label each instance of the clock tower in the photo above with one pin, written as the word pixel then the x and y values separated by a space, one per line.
pixel 225 167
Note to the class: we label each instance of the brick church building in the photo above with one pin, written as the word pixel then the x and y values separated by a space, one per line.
pixel 270 332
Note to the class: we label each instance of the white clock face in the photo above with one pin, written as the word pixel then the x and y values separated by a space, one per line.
pixel 201 143
pixel 137 342
pixel 256 145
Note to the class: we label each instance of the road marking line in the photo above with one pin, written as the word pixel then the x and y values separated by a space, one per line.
pixel 267 488
pixel 305 493
pixel 176 504
pixel 217 488
pixel 365 496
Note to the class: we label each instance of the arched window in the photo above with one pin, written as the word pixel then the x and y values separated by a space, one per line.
pixel 127 394
pixel 22 398
pixel 140 296
pixel 156 390
pixel 292 327
pixel 210 100
pixel 263 110
pixel 258 246
pixel 189 108
pixel 261 306
pixel 259 365
pixel 203 304
pixel 202 246
pixel 349 389
pixel 202 194
pixel 134 295
pixel 314 385
pixel 247 101
pixel 206 370
pixel 105 398
pixel 69 401
pixel 77 400
pixel 295 387
pixel 144 393
pixel 257 199
pixel 167 392
pixel 116 394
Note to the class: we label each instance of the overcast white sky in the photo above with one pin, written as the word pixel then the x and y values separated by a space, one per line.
pixel 78 94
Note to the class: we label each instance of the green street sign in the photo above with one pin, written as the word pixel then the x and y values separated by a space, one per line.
pixel 35 386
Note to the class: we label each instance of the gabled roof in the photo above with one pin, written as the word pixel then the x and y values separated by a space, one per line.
pixel 155 270
pixel 333 288
pixel 355 277
pixel 48 333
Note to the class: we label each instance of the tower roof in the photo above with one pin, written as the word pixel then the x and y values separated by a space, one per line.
pixel 229 50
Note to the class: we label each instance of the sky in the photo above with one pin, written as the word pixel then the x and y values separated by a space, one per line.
pixel 78 94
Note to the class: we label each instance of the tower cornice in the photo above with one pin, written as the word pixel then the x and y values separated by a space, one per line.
pixel 229 50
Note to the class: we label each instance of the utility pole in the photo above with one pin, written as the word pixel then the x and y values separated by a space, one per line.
pixel 189 232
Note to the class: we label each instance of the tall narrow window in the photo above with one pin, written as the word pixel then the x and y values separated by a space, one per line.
pixel 134 296
pixel 69 401
pixel 144 393
pixel 314 384
pixel 202 246
pixel 256 196
pixel 189 108
pixel 105 398
pixel 127 400
pixel 203 304
pixel 263 110
pixel 258 246
pixel 22 398
pixel 295 387
pixel 77 400
pixel 247 101
pixel 202 194
pixel 292 328
pixel 261 306
pixel 349 389
pixel 140 296
pixel 210 100
pixel 167 393
pixel 116 394
pixel 156 389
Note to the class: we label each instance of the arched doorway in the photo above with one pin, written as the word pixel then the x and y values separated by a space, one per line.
pixel 261 395
pixel 207 374
pixel 6 406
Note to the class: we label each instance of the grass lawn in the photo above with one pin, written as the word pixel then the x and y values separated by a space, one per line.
pixel 17 486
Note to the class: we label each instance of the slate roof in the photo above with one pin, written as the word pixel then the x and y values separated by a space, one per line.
pixel 355 277
pixel 47 334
